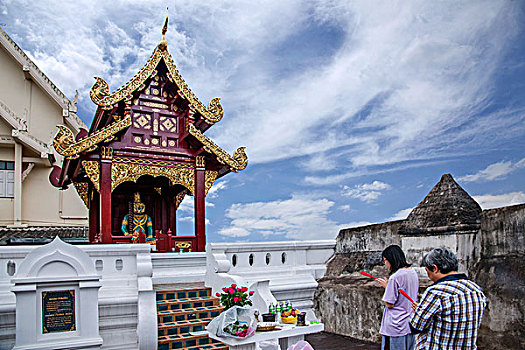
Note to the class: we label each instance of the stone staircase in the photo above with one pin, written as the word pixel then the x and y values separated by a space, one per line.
pixel 184 310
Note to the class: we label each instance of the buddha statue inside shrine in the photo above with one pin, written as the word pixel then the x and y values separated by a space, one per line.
pixel 138 223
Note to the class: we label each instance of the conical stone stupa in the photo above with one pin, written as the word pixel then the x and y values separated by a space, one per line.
pixel 447 208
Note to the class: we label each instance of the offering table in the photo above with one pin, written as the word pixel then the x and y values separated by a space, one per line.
pixel 288 335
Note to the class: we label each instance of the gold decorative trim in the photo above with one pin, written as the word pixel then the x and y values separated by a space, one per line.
pixel 200 161
pixel 209 179
pixel 238 162
pixel 179 198
pixel 183 245
pixel 106 153
pixel 99 92
pixel 156 105
pixel 65 145
pixel 124 171
pixel 150 162
pixel 92 169
pixel 82 189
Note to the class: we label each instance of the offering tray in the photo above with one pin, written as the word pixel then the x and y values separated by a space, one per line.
pixel 266 326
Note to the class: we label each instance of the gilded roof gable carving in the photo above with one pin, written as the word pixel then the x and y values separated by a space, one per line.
pixel 100 94
pixel 146 81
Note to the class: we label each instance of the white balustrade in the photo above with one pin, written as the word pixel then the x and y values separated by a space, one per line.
pixel 278 271
pixel 290 269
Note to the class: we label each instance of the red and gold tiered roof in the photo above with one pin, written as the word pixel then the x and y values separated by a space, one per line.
pixel 153 118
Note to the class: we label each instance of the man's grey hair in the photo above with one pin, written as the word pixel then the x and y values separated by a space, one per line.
pixel 443 258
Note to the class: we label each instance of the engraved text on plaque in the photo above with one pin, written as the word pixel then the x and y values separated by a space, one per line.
pixel 58 311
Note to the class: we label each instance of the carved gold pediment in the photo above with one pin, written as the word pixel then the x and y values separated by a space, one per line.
pixel 124 169
pixel 65 145
pixel 92 168
pixel 100 94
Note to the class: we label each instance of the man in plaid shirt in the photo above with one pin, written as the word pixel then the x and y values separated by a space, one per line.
pixel 450 311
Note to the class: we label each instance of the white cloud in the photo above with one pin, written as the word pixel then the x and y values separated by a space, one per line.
pixel 354 84
pixel 366 192
pixel 488 201
pixel 296 218
pixel 234 231
pixel 191 219
pixel 216 188
pixel 345 207
pixel 187 205
pixel 400 215
pixel 358 224
pixel 494 171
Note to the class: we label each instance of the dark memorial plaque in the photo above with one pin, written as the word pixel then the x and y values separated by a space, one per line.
pixel 58 311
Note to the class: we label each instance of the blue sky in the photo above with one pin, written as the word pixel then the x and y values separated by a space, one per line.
pixel 350 111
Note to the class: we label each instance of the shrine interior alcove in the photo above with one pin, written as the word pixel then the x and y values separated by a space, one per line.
pixel 159 197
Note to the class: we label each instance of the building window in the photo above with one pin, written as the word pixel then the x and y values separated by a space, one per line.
pixel 7 179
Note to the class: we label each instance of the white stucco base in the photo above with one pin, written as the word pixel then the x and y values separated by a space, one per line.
pixel 127 317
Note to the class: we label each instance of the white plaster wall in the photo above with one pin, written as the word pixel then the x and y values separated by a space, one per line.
pixel 68 210
pixel 5 130
pixel 178 267
pixel 13 87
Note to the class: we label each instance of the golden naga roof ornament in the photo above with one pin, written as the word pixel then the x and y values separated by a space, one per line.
pixel 65 144
pixel 238 162
pixel 100 93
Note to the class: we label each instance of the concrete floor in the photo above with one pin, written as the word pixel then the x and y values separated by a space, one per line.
pixel 329 341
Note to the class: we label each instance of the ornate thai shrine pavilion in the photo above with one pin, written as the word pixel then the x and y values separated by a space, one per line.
pixel 146 145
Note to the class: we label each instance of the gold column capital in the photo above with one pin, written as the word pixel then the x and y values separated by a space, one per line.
pixel 106 153
pixel 200 162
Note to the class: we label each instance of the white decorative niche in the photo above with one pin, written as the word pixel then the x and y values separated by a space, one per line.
pixel 56 288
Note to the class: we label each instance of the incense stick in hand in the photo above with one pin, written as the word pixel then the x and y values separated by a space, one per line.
pixel 382 281
pixel 367 274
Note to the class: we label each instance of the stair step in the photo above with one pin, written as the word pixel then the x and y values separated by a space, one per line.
pixel 179 327
pixel 216 346
pixel 185 303
pixel 184 293
pixel 188 314
pixel 183 309
pixel 202 321
pixel 184 341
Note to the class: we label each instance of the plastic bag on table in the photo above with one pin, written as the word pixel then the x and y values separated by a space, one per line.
pixel 301 345
pixel 237 322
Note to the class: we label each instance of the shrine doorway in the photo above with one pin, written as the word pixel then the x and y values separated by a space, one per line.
pixel 158 195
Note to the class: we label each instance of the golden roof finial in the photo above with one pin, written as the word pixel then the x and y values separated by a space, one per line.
pixel 163 43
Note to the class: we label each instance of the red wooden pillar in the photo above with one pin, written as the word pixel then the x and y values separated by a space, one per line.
pixel 105 194
pixel 200 224
pixel 94 212
pixel 173 216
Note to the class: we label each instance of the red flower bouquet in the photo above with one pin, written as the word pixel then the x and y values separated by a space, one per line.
pixel 234 295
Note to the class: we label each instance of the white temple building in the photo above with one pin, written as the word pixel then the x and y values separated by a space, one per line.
pixel 31 107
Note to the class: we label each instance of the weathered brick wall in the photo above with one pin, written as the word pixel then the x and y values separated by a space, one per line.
pixel 368 238
pixel 501 274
